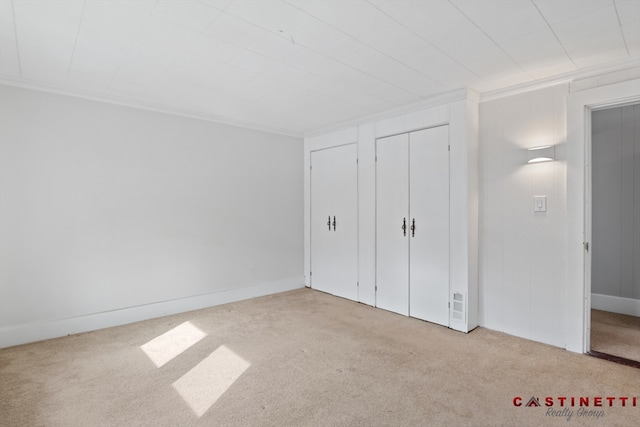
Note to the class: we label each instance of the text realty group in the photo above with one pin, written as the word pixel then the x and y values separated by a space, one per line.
pixel 567 412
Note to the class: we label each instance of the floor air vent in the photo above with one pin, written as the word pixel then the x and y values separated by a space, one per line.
pixel 458 307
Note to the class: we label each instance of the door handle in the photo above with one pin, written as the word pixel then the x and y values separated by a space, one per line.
pixel 413 228
pixel 404 226
pixel 329 222
pixel 334 223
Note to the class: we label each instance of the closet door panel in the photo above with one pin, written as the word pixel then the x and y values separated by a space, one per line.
pixel 344 221
pixel 429 241
pixel 323 274
pixel 334 258
pixel 392 246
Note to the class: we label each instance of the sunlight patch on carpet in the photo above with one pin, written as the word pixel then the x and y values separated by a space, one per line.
pixel 172 343
pixel 203 385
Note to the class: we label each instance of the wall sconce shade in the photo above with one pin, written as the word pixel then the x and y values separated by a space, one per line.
pixel 545 153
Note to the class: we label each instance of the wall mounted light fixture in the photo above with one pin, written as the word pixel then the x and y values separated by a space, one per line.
pixel 545 153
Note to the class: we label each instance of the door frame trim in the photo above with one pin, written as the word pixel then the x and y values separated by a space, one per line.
pixel 578 286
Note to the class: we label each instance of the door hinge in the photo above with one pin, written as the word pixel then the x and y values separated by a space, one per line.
pixel 358 284
pixel 376 288
pixel 448 305
pixel 586 246
pixel 311 273
pixel 356 161
pixel 448 148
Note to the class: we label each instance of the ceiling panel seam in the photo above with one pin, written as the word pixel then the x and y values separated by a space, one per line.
pixel 492 40
pixel 425 40
pixel 15 34
pixel 371 47
pixel 174 61
pixel 624 38
pixel 555 35
pixel 335 60
pixel 75 42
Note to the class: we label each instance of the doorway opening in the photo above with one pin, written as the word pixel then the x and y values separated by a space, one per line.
pixel 613 222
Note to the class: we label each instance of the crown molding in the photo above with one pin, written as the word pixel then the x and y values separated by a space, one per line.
pixel 559 79
pixel 433 101
pixel 145 105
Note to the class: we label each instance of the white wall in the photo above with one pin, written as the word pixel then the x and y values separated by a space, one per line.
pixel 532 264
pixel 111 214
pixel 615 268
pixel 522 253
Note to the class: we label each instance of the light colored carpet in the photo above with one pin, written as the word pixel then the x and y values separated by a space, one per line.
pixel 616 334
pixel 295 359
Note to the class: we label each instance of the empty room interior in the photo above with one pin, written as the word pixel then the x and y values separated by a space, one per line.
pixel 322 213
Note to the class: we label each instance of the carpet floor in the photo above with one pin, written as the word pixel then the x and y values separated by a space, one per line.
pixel 615 334
pixel 304 358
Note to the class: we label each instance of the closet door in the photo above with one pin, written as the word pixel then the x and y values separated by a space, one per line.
pixel 392 213
pixel 429 211
pixel 334 229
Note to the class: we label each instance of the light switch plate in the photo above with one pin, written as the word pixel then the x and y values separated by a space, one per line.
pixel 539 203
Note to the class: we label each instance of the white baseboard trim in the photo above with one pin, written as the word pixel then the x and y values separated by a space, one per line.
pixel 620 305
pixel 38 331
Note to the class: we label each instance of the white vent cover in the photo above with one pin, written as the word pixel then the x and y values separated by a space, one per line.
pixel 458 311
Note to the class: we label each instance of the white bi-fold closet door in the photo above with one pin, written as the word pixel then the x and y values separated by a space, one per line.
pixel 412 224
pixel 334 221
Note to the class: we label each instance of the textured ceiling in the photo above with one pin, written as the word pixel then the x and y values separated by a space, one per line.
pixel 297 66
